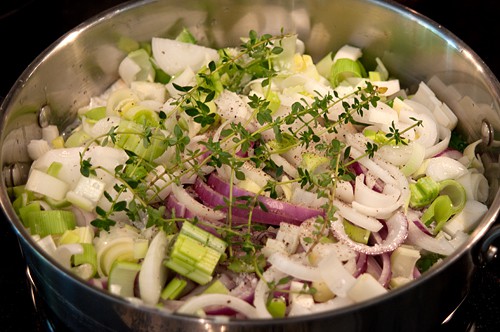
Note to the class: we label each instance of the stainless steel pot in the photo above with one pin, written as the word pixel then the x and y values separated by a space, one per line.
pixel 84 62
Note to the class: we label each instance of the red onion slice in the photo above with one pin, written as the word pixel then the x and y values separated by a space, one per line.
pixel 279 210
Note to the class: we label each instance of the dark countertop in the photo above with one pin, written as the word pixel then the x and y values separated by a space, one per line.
pixel 27 27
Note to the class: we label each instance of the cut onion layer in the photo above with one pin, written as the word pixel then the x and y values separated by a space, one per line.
pixel 199 302
pixel 397 231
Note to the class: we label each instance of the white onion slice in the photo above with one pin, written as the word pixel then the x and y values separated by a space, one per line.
pixel 445 136
pixel 201 301
pixel 357 218
pixel 294 268
pixel 194 206
pixel 427 242
pixel 444 168
pixel 335 276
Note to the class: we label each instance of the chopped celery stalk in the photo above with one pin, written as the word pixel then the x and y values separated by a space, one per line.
pixel 18 190
pixel 45 184
pixel 439 211
pixel 51 222
pixel 423 192
pixel 57 204
pixel 374 76
pixel 286 143
pixel 216 287
pixel 25 210
pixel 84 234
pixel 186 36
pixel 203 237
pixel 379 137
pixel 450 202
pixel 122 277
pixel 274 101
pixel 127 44
pixel 88 257
pixel 173 289
pixel 314 163
pixel 54 168
pixel 343 69
pixel 96 113
pixel 131 138
pixel 193 259
pixel 455 191
pixel 195 254
pixel 78 138
pixel 58 142
pixel 276 307
pixel 356 233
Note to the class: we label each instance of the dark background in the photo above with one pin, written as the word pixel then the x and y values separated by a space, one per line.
pixel 27 27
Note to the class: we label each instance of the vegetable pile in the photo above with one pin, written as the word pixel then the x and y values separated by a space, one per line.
pixel 252 182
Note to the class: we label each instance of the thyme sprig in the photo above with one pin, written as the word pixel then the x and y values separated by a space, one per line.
pixel 305 126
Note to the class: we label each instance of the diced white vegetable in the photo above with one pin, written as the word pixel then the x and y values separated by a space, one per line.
pixel 300 303
pixel 173 56
pixel 336 277
pixel 443 168
pixel 50 133
pixel 403 261
pixel 45 184
pixel 149 90
pixel 467 219
pixel 365 288
pixel 37 148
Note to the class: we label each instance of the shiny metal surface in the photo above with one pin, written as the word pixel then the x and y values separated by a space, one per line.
pixel 84 62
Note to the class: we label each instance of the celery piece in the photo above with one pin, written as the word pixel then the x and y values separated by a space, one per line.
pixel 203 237
pixel 439 211
pixel 356 233
pixel 54 168
pixel 186 36
pixel 121 278
pixel 216 287
pixel 25 210
pixel 344 68
pixel 127 44
pixel 195 253
pixel 96 113
pixel 173 289
pixel 89 256
pixel 76 139
pixel 276 307
pixel 374 76
pixel 50 222
pixel 423 192
pixel 456 192
pixel 131 138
